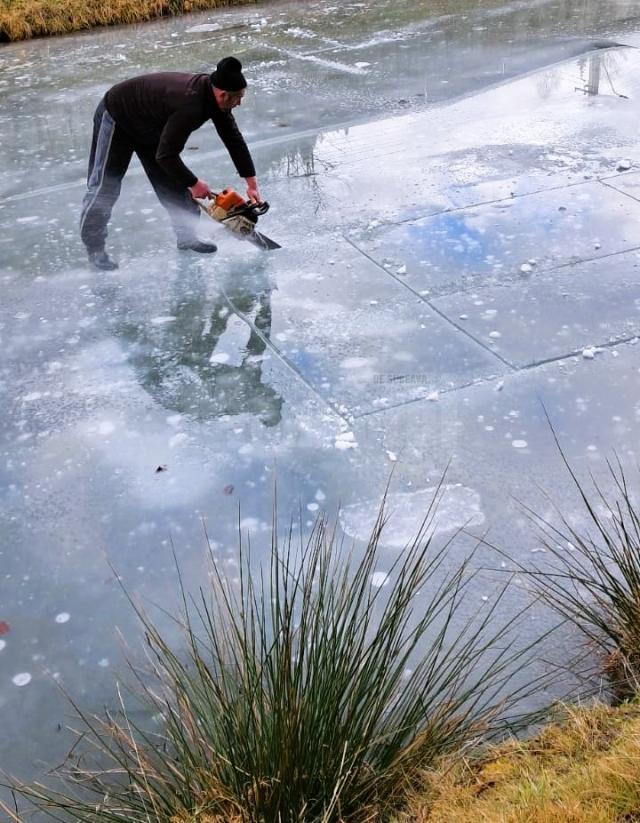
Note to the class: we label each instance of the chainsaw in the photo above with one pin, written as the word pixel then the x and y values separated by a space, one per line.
pixel 239 216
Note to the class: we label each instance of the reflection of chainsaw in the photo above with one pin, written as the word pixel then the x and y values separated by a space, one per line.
pixel 239 216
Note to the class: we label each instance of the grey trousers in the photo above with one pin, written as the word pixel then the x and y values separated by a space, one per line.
pixel 111 152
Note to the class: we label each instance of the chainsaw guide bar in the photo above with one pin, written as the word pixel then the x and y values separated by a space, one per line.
pixel 239 217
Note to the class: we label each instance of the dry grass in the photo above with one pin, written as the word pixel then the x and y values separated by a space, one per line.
pixel 23 19
pixel 585 769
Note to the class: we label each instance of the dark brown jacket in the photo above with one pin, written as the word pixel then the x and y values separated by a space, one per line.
pixel 161 110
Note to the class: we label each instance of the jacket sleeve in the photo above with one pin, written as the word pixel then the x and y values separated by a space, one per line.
pixel 233 140
pixel 172 141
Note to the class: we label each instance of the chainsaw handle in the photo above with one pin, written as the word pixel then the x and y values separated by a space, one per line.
pixel 260 208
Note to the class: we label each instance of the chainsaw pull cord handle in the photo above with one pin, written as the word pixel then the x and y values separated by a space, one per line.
pixel 260 208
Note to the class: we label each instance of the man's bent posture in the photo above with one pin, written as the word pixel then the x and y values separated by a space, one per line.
pixel 153 116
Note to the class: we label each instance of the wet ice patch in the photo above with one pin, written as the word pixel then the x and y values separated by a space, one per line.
pixel 458 506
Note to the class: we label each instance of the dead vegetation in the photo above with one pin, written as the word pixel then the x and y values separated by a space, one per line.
pixel 582 770
pixel 24 19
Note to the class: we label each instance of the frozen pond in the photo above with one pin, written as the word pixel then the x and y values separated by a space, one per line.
pixel 461 248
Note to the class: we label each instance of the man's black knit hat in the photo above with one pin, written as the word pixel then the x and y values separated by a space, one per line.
pixel 228 75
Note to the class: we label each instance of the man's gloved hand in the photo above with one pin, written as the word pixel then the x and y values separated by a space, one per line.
pixel 201 190
pixel 253 193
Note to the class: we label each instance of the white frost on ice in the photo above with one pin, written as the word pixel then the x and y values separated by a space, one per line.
pixel 162 319
pixel 354 362
pixel 251 524
pixel 178 439
pixel 63 617
pixel 202 27
pixel 589 353
pixel 220 357
pixel 346 440
pixel 22 679
pixel 458 506
pixel 2 644
pixel 379 579
pixel 519 444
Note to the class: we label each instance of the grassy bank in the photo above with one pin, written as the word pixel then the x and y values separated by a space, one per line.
pixel 585 769
pixel 23 19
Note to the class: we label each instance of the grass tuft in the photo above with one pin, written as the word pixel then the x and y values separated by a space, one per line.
pixel 594 579
pixel 304 693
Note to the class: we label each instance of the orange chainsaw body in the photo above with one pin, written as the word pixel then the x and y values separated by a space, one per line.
pixel 239 216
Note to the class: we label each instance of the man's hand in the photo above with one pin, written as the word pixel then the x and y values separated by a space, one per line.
pixel 253 193
pixel 200 189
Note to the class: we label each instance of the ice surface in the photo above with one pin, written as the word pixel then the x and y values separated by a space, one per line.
pixel 458 507
pixel 455 235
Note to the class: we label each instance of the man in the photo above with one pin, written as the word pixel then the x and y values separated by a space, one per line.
pixel 153 116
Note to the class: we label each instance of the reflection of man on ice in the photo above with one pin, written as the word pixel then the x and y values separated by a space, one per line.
pixel 153 116
pixel 208 362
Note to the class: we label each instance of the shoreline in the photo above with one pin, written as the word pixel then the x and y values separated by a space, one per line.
pixel 30 19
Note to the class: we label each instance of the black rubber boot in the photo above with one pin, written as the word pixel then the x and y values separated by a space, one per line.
pixel 100 260
pixel 197 245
